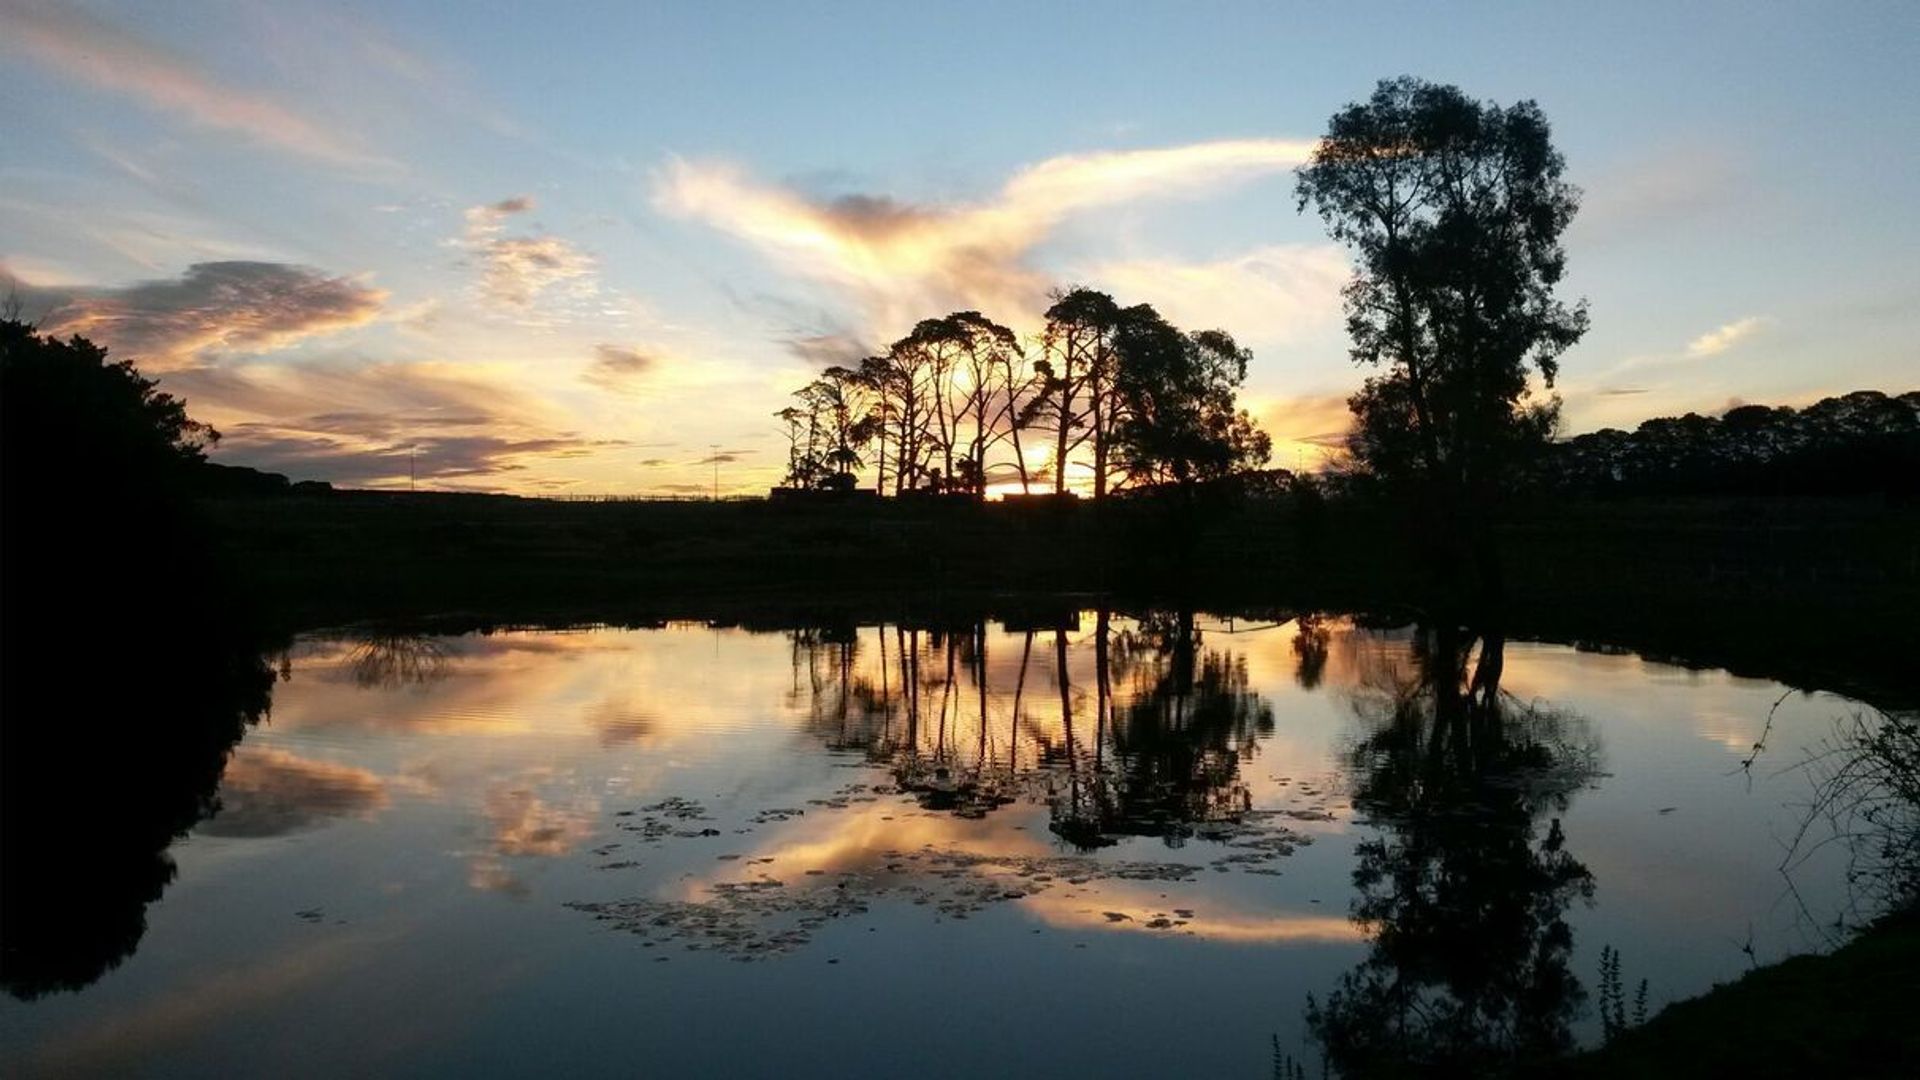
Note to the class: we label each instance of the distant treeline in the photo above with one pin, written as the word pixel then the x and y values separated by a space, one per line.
pixel 1859 443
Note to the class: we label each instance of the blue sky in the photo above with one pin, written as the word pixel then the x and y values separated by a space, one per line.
pixel 574 248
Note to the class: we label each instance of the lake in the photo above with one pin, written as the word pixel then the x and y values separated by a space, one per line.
pixel 1087 845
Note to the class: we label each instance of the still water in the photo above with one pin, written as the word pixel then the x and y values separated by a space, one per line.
pixel 1092 846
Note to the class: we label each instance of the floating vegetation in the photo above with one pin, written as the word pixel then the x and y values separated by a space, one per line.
pixel 764 916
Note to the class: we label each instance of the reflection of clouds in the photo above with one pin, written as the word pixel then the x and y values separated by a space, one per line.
pixel 521 824
pixel 621 726
pixel 1207 919
pixel 268 792
pixel 525 825
pixel 125 1042
pixel 859 840
pixel 863 841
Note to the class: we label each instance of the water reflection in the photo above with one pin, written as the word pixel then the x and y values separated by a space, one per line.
pixel 110 756
pixel 1464 890
pixel 1392 820
pixel 1150 742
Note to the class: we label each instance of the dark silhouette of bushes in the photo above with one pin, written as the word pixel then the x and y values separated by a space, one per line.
pixel 1866 442
pixel 126 671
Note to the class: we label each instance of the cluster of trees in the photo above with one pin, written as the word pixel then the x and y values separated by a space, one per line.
pixel 958 404
pixel 1857 443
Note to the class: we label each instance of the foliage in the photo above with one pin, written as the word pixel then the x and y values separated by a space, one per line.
pixel 1615 1018
pixel 1454 210
pixel 70 417
pixel 951 406
pixel 1865 441
pixel 1179 423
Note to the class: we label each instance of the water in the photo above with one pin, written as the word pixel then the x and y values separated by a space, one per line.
pixel 1097 846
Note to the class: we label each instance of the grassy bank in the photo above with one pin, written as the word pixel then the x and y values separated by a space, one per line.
pixel 1844 1014
pixel 1817 593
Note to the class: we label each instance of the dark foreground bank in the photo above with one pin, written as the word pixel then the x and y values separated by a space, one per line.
pixel 1848 1013
pixel 1813 592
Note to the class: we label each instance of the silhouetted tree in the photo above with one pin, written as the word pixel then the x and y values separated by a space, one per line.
pixel 1178 420
pixel 1454 210
pixel 1077 380
pixel 106 755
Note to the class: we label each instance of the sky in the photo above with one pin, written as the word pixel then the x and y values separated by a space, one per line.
pixel 590 249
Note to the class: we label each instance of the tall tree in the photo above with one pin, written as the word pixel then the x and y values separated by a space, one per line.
pixel 1076 371
pixel 1454 209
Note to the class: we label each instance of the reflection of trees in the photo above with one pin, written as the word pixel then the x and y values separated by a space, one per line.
pixel 101 775
pixel 389 660
pixel 1150 744
pixel 1463 893
pixel 1178 742
pixel 1310 646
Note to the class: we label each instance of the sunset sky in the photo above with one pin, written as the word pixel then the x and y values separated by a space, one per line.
pixel 578 248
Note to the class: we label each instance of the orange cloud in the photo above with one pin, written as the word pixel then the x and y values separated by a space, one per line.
pixel 166 325
pixel 515 270
pixel 905 260
pixel 1306 430
pixel 379 424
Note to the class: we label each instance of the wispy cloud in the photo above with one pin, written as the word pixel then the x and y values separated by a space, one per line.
pixel 377 424
pixel 1306 430
pixel 516 270
pixel 1726 337
pixel 904 260
pixel 618 368
pixel 1273 295
pixel 255 306
pixel 85 48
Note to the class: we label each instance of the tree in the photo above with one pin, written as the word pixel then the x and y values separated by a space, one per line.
pixel 1076 379
pixel 112 425
pixel 98 531
pixel 1176 419
pixel 1454 210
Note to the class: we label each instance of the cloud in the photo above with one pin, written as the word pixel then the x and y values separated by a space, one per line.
pixel 1273 295
pixel 256 306
pixel 270 792
pixel 85 48
pixel 515 270
pixel 616 367
pixel 1726 337
pixel 377 424
pixel 904 260
pixel 1305 430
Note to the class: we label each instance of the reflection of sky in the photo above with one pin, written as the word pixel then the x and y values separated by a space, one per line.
pixel 393 857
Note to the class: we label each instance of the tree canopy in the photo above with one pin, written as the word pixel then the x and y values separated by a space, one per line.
pixel 1454 210
pixel 1115 394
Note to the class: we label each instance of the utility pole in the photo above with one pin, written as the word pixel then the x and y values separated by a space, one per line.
pixel 411 451
pixel 716 470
